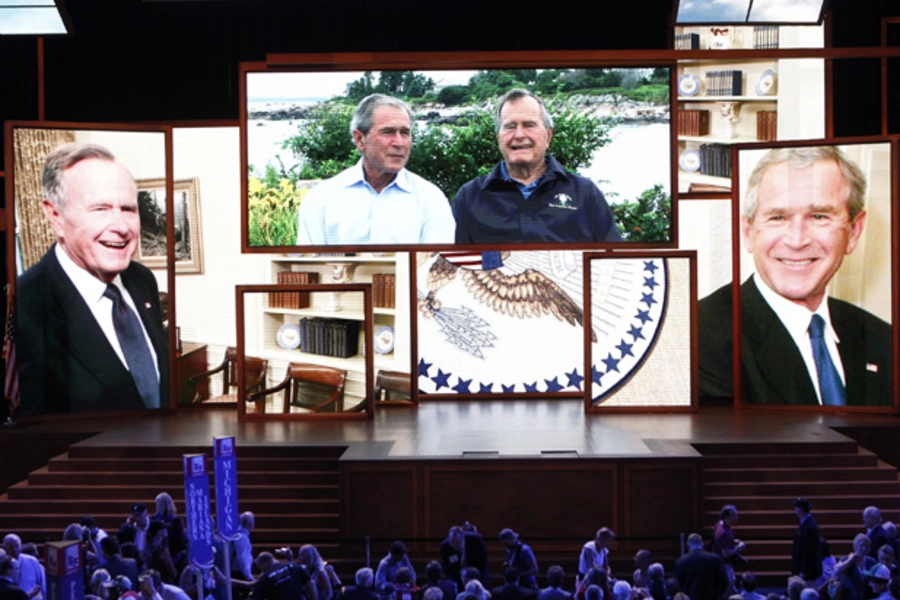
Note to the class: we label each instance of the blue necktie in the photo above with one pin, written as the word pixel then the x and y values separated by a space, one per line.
pixel 830 384
pixel 134 347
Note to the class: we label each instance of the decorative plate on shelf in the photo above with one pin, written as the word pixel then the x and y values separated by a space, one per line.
pixel 766 83
pixel 689 160
pixel 688 85
pixel 384 339
pixel 288 336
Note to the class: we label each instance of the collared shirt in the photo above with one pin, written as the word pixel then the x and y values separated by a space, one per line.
pixel 91 290
pixel 796 320
pixel 592 558
pixel 387 570
pixel 347 210
pixel 526 188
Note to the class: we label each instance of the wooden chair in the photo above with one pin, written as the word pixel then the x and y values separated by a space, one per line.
pixel 392 385
pixel 254 378
pixel 313 388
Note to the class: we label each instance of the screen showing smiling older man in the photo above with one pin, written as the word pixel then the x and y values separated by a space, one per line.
pixel 392 159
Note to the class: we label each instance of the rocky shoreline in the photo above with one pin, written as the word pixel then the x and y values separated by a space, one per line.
pixel 597 106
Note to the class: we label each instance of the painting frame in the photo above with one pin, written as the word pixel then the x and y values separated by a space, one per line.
pixel 189 189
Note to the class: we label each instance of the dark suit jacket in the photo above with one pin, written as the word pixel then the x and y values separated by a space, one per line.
pixel 476 556
pixel 805 555
pixel 116 565
pixel 554 594
pixel 10 591
pixel 512 591
pixel 66 364
pixel 702 575
pixel 878 537
pixel 772 370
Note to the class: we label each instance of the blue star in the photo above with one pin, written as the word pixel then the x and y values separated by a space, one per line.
pixel 650 266
pixel 596 375
pixel 612 364
pixel 574 379
pixel 485 388
pixel 643 315
pixel 532 387
pixel 553 385
pixel 648 299
pixel 423 367
pixel 463 386
pixel 625 349
pixel 635 332
pixel 440 380
pixel 650 282
pixel 508 389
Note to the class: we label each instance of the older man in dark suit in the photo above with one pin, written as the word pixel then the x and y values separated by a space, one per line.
pixel 805 560
pixel 89 318
pixel 803 211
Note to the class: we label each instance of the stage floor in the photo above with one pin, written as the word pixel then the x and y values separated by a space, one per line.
pixel 481 429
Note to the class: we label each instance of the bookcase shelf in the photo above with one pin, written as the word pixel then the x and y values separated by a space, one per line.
pixel 797 96
pixel 361 269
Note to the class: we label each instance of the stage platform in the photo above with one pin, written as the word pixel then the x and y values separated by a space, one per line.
pixel 481 429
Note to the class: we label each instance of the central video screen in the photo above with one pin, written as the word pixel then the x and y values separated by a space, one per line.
pixel 581 159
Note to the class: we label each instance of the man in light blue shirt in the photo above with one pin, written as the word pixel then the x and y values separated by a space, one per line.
pixel 377 201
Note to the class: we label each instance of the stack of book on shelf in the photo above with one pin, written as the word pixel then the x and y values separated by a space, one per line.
pixel 715 160
pixel 724 83
pixel 693 122
pixel 765 37
pixel 383 290
pixel 687 41
pixel 329 337
pixel 767 125
pixel 293 299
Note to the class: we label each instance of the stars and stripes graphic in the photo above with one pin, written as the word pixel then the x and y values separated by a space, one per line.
pixel 11 378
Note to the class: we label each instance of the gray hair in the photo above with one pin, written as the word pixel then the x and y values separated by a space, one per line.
pixel 62 158
pixel 801 158
pixel 364 577
pixel 518 94
pixel 164 504
pixel 362 116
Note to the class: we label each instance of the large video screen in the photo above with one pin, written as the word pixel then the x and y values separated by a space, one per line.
pixel 432 162
pixel 90 248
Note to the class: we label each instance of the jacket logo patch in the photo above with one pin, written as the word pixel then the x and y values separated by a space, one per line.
pixel 562 201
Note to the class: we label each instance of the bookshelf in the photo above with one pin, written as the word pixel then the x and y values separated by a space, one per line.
pixel 762 99
pixel 266 315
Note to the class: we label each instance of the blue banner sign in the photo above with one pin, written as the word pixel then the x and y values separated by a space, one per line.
pixel 199 521
pixel 227 515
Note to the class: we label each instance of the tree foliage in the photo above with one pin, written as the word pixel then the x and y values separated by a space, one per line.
pixel 324 141
pixel 647 219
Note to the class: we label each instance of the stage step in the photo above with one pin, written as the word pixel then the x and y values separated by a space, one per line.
pixel 838 478
pixel 293 490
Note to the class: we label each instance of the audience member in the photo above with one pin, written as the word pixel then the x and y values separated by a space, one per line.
pixel 622 590
pixel 432 593
pixel 280 580
pixel 642 560
pixel 805 560
pixel 520 557
pixel 656 586
pixel 874 530
pixel 673 588
pixel 809 594
pixel 828 562
pixel 748 587
pixel 125 588
pixel 317 568
pixel 795 585
pixel 405 588
pixel 463 549
pixel 168 591
pixel 701 574
pixel 595 554
pixel 100 584
pixel 434 572
pixel 724 543
pixel 9 574
pixel 365 579
pixel 242 562
pixel 887 558
pixel 148 588
pixel 156 555
pixel 177 538
pixel 878 580
pixel 511 590
pixel 851 571
pixel 596 577
pixel 31 577
pixel 113 562
pixel 555 579
pixel 129 550
pixel 475 590
pixel 134 529
pixel 594 592
pixel 390 564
